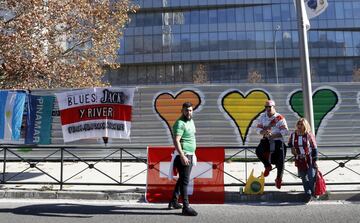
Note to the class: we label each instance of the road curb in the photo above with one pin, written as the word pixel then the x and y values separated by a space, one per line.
pixel 347 196
pixel 74 195
pixel 230 197
pixel 274 196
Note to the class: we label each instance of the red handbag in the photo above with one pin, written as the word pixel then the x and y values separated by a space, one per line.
pixel 320 185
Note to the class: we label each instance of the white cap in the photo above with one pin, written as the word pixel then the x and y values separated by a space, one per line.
pixel 270 103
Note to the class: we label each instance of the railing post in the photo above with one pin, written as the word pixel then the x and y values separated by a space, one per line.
pixel 246 164
pixel 4 166
pixel 121 150
pixel 61 167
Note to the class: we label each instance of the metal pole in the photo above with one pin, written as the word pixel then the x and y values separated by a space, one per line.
pixel 275 54
pixel 121 160
pixel 305 64
pixel 4 166
pixel 246 176
pixel 61 167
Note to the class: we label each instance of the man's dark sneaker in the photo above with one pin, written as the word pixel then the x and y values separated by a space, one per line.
pixel 307 198
pixel 267 171
pixel 188 211
pixel 174 205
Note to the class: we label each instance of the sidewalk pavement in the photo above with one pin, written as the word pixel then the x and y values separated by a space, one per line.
pixel 135 173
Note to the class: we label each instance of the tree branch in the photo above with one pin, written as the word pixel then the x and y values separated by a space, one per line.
pixel 15 17
pixel 74 46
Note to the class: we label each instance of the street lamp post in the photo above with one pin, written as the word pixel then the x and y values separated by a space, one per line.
pixel 277 28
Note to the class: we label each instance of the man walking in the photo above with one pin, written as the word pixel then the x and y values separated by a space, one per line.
pixel 185 146
pixel 271 150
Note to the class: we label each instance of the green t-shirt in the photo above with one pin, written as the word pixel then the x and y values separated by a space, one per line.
pixel 186 129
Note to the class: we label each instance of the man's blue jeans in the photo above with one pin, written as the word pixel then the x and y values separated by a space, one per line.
pixel 308 179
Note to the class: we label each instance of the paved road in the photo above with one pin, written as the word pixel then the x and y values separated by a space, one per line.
pixel 41 211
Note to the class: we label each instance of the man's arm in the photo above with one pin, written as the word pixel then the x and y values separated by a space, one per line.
pixel 260 127
pixel 284 130
pixel 184 160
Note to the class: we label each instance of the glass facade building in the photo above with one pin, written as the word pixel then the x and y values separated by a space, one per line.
pixel 235 41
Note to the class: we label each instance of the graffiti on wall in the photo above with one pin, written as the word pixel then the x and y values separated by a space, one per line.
pixel 325 102
pixel 168 105
pixel 243 109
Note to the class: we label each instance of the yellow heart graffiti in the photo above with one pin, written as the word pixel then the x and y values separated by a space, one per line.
pixel 244 110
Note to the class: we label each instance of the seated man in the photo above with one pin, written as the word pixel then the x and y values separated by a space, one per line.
pixel 271 150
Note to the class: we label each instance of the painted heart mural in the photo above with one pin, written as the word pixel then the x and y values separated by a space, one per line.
pixel 168 106
pixel 243 110
pixel 324 101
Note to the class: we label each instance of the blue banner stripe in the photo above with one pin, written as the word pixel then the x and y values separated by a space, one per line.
pixel 39 119
pixel 45 133
pixel 30 119
pixel 17 116
pixel 3 97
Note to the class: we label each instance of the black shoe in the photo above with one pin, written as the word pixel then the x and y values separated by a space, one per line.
pixel 307 198
pixel 188 211
pixel 174 205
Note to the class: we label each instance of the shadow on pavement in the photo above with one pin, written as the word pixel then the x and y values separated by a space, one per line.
pixel 84 211
pixel 270 204
pixel 17 176
pixel 356 197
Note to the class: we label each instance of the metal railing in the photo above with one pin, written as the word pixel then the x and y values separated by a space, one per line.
pixel 33 158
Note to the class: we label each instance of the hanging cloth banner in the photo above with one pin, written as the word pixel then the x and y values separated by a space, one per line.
pixel 95 113
pixel 315 7
pixel 11 114
pixel 39 119
pixel 311 9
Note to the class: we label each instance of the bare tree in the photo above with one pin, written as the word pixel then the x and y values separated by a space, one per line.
pixel 254 76
pixel 314 75
pixel 53 43
pixel 201 74
pixel 356 74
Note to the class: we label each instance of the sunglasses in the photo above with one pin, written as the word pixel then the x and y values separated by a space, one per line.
pixel 267 106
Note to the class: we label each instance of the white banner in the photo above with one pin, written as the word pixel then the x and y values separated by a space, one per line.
pixel 315 7
pixel 95 113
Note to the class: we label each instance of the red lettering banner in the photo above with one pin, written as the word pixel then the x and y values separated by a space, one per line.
pixel 96 112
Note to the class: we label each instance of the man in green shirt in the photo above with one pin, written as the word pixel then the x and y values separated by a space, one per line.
pixel 185 146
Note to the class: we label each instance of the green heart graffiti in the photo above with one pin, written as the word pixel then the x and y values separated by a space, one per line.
pixel 324 100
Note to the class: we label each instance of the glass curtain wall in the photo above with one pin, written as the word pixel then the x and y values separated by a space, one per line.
pixel 218 41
